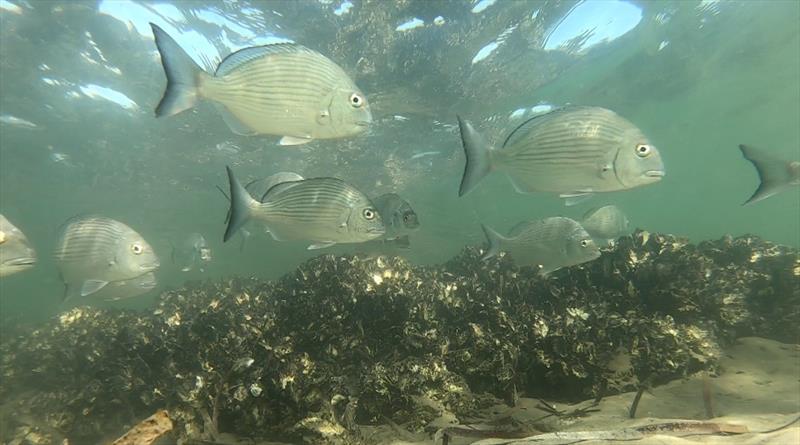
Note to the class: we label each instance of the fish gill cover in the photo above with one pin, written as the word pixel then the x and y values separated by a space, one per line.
pixel 345 341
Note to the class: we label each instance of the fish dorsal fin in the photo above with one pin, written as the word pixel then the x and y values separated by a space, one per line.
pixel 588 214
pixel 520 227
pixel 281 186
pixel 233 122
pixel 246 55
pixel 522 129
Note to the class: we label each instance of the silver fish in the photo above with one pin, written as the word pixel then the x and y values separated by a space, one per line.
pixel 324 211
pixel 548 244
pixel 572 151
pixel 776 175
pixel 193 253
pixel 16 253
pixel 398 216
pixel 606 223
pixel 93 251
pixel 124 289
pixel 283 89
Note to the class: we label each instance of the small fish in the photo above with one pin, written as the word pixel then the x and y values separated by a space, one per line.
pixel 548 244
pixel 398 216
pixel 283 89
pixel 606 223
pixel 93 251
pixel 124 289
pixel 16 253
pixel 572 151
pixel 776 175
pixel 324 211
pixel 192 253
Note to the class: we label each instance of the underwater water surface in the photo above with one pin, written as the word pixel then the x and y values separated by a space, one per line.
pixel 80 80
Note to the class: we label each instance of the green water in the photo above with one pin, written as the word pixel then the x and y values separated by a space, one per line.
pixel 728 73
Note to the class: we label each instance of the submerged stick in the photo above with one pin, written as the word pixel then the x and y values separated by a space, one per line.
pixel 635 404
pixel 707 402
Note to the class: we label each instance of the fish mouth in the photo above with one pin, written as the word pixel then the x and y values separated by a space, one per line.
pixel 150 266
pixel 362 123
pixel 655 173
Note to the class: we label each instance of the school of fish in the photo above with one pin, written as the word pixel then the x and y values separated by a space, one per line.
pixel 299 95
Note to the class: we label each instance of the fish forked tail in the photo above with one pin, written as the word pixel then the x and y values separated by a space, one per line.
pixel 241 206
pixel 478 154
pixel 772 173
pixel 494 239
pixel 183 75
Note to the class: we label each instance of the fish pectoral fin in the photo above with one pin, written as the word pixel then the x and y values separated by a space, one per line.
pixel 321 245
pixel 571 199
pixel 91 286
pixel 519 188
pixel 233 122
pixel 293 140
pixel 402 242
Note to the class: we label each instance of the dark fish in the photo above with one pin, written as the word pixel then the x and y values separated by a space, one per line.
pixel 398 216
pixel 776 175
pixel 93 251
pixel 16 253
pixel 572 151
pixel 192 253
pixel 324 211
pixel 283 89
pixel 547 244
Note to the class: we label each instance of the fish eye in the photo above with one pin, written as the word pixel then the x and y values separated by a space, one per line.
pixel 584 243
pixel 137 248
pixel 643 150
pixel 369 214
pixel 356 100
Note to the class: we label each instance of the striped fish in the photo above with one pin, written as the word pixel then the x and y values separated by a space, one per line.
pixel 547 244
pixel 572 151
pixel 16 253
pixel 93 251
pixel 283 89
pixel 324 211
pixel 606 223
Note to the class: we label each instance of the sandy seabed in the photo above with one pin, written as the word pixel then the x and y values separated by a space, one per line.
pixel 758 387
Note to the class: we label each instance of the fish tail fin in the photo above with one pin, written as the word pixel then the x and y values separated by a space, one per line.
pixel 479 156
pixel 772 173
pixel 494 239
pixel 182 72
pixel 241 206
pixel 228 216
